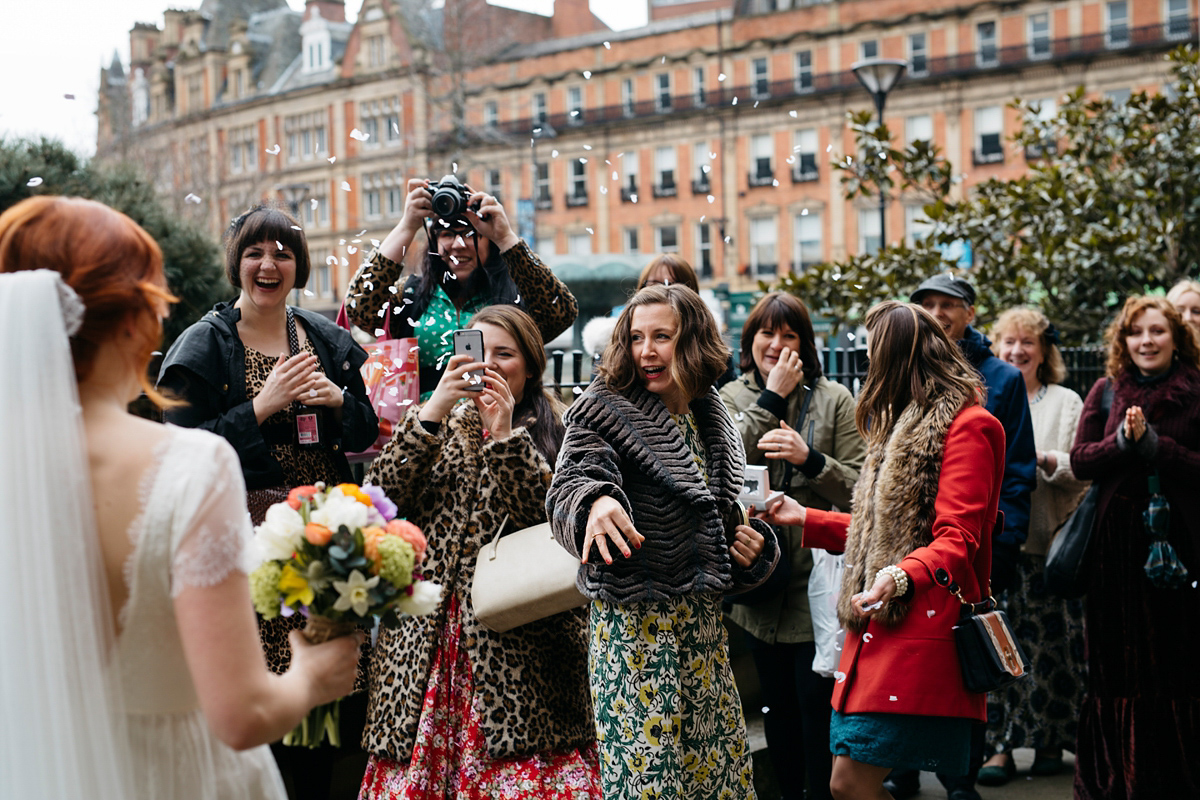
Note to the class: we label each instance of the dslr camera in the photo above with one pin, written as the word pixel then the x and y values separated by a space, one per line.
pixel 450 198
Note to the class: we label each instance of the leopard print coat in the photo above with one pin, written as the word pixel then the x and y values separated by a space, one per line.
pixel 531 683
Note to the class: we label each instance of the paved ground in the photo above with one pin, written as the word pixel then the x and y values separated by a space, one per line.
pixel 1022 787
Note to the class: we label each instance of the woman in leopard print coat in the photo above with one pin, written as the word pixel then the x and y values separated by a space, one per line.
pixel 455 709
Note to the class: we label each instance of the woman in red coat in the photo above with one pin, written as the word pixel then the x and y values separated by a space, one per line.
pixel 921 523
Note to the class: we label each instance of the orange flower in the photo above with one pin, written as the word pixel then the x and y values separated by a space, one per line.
pixel 352 490
pixel 411 534
pixel 296 496
pixel 371 537
pixel 317 535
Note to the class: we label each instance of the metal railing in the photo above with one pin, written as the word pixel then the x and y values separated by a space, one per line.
pixel 571 371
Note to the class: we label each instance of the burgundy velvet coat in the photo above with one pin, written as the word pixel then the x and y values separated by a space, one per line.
pixel 912 667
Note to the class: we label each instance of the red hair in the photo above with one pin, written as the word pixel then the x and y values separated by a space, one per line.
pixel 114 266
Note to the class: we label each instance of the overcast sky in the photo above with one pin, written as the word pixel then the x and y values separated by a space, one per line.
pixel 50 49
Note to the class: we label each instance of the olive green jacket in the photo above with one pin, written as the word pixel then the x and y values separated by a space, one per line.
pixel 826 481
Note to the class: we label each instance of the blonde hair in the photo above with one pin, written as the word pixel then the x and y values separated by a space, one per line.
pixel 1180 289
pixel 1029 320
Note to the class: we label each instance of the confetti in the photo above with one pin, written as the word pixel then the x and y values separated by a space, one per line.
pixel 331 261
pixel 314 204
pixel 828 148
pixel 607 46
pixel 587 74
pixel 297 228
pixel 790 159
pixel 930 613
pixel 375 243
pixel 721 77
pixel 395 129
pixel 664 60
pixel 588 147
pixel 712 156
pixel 841 677
pixel 735 99
pixel 892 698
pixel 345 186
pixel 351 250
pixel 34 182
pixel 615 177
pixel 193 198
pixel 866 637
pixel 308 293
pixel 775 182
pixel 359 135
pixel 603 190
pixel 711 199
pixel 804 212
pixel 273 151
pixel 393 289
pixel 577 390
pixel 589 230
pixel 873 606
pixel 554 154
pixel 331 159
pixel 278 245
pixel 454 167
pixel 793 114
pixel 582 160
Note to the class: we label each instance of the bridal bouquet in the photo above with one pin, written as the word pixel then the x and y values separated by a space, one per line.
pixel 340 557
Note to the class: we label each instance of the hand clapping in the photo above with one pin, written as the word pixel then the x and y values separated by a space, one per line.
pixel 1135 423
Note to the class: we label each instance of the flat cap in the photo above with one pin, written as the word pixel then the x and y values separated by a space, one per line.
pixel 945 284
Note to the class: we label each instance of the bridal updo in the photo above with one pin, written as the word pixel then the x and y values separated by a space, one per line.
pixel 114 266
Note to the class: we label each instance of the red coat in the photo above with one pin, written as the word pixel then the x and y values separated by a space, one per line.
pixel 913 668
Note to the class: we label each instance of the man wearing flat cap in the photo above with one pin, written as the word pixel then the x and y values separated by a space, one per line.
pixel 952 301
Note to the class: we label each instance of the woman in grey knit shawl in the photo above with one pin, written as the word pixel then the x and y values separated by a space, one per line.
pixel 645 494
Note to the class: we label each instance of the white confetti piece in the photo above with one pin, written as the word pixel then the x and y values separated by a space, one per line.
pixel 554 154
pixel 790 159
pixel 735 99
pixel 331 261
pixel 775 182
pixel 587 147
pixel 589 230
pixel 587 74
pixel 603 190
pixel 868 636
pixel 308 293
pixel 395 129
pixel 582 160
pixel 359 135
pixel 345 262
pixel 192 198
pixel 633 198
pixel 314 204
pixel 454 167
pixel 297 228
pixel 930 613
pixel 345 186
pixel 393 289
pixel 413 322
pixel 273 151
pixel 828 148
pixel 34 182
pixel 607 46
pixel 351 250
pixel 793 114
pixel 578 390
pixel 331 159
pixel 721 77
pixel 892 698
pixel 804 212
pixel 712 156
pixel 664 60
pixel 711 199
pixel 873 606
pixel 841 677
pixel 378 332
pixel 615 176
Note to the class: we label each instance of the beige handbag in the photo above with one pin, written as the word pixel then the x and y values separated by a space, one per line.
pixel 523 577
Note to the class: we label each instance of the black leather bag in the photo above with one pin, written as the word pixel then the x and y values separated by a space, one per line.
pixel 988 652
pixel 1067 561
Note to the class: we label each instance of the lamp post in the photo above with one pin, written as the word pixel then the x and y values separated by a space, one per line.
pixel 879 76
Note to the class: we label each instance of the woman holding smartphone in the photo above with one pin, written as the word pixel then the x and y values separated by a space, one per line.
pixel 455 709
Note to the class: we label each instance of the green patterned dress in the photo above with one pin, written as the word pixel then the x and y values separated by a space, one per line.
pixel 668 716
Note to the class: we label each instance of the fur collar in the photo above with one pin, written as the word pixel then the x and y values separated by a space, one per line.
pixel 892 511
pixel 639 427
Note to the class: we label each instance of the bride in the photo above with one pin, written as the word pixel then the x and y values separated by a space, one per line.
pixel 129 658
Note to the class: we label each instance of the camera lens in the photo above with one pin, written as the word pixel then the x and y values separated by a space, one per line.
pixel 448 202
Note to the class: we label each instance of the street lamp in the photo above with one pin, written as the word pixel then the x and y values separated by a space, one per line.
pixel 879 76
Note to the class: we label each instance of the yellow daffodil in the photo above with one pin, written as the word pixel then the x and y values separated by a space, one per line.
pixel 351 490
pixel 296 588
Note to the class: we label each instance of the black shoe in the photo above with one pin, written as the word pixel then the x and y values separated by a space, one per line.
pixel 964 794
pixel 903 784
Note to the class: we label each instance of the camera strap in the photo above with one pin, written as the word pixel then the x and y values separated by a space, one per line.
pixel 798 427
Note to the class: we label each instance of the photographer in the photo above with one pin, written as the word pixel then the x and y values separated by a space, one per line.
pixel 474 259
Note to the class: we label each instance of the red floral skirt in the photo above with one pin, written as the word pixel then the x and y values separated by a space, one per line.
pixel 450 758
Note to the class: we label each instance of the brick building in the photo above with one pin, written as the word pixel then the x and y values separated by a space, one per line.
pixel 708 131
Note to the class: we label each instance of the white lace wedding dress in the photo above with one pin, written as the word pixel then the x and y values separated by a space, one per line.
pixel 191 532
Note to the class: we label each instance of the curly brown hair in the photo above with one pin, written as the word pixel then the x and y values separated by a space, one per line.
pixel 1184 338
pixel 700 352
pixel 911 360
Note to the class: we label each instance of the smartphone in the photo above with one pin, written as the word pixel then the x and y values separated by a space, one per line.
pixel 469 342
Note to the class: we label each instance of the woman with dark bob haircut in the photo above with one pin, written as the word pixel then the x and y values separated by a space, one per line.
pixel 1142 706
pixel 282 385
pixel 649 473
pixel 919 530
pixel 801 426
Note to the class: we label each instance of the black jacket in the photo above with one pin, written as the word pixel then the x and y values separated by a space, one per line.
pixel 206 366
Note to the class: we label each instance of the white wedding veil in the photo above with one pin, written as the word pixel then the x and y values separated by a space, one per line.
pixel 62 734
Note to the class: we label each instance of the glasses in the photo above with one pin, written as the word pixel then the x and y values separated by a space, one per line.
pixel 451 233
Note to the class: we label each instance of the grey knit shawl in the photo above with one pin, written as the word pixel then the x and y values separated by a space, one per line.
pixel 628 447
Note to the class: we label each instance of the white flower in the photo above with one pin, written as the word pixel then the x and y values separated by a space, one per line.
pixel 280 533
pixel 424 600
pixel 352 593
pixel 338 510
